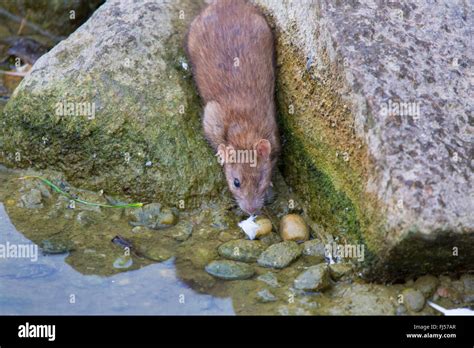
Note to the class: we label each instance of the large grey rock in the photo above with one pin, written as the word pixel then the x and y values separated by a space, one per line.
pixel 113 107
pixel 376 110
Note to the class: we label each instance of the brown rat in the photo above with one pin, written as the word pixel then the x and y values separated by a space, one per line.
pixel 230 47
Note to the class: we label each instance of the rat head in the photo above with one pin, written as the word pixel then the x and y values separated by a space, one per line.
pixel 248 173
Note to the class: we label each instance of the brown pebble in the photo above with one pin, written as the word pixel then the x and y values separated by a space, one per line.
pixel 293 227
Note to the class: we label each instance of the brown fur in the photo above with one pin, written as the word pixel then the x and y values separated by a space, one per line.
pixel 239 100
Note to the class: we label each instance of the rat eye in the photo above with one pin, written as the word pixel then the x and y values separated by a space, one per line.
pixel 236 182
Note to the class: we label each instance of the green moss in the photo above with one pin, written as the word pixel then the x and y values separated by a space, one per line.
pixel 322 159
pixel 135 124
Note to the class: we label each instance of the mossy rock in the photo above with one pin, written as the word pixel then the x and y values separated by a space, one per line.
pixel 384 181
pixel 114 108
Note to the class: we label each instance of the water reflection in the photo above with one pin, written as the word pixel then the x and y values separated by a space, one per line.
pixel 51 286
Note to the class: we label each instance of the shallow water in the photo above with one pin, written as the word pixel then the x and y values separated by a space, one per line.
pixel 80 270
pixel 50 286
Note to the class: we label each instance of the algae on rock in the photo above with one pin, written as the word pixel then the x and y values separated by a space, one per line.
pixel 113 107
pixel 400 184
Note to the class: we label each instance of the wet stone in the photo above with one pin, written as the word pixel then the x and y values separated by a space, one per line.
pixel 85 218
pixel 32 199
pixel 266 296
pixel 270 279
pixel 468 284
pixel 293 227
pixel 427 285
pixel 52 246
pixel 241 250
pixel 279 255
pixel 314 247
pixel 449 292
pixel 182 231
pixel 270 239
pixel 229 270
pixel 166 218
pixel 153 216
pixel 139 229
pixel 413 299
pixel 265 227
pixel 315 278
pixel 158 254
pixel 123 262
pixel 339 270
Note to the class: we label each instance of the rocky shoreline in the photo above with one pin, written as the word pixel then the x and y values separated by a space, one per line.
pixel 213 255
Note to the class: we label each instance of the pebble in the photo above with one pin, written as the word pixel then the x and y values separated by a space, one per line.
pixel 270 279
pixel 468 282
pixel 166 218
pixel 279 255
pixel 265 227
pixel 339 270
pixel 153 216
pixel 32 199
pixel 123 262
pixel 157 253
pixel 229 270
pixel 270 239
pixel 241 250
pixel 293 227
pixel 50 246
pixel 413 299
pixel 266 296
pixel 427 285
pixel 182 231
pixel 85 218
pixel 450 293
pixel 139 229
pixel 314 247
pixel 10 202
pixel 315 278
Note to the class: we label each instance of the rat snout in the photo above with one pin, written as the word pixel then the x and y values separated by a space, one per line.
pixel 250 208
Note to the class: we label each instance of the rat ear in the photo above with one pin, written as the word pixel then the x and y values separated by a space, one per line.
pixel 264 148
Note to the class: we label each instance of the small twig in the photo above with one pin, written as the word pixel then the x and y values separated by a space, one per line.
pixel 32 26
pixel 13 73
pixel 22 25
pixel 68 195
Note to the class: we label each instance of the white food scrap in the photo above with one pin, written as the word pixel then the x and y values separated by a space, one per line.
pixel 249 226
